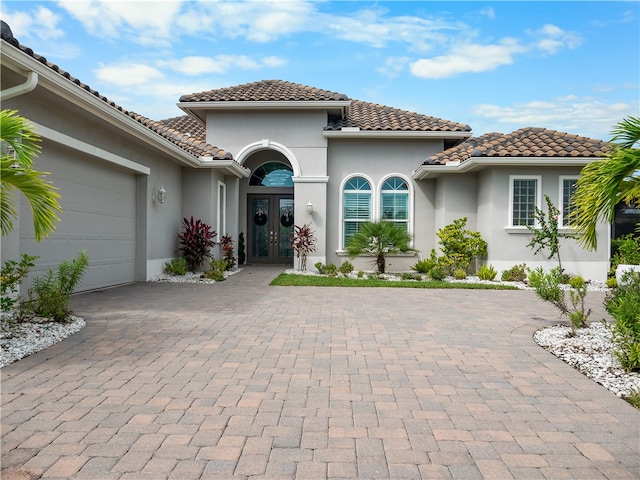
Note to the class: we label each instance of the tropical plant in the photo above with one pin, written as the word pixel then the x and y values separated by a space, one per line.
pixel 49 296
pixel 545 232
pixel 303 243
pixel 195 242
pixel 216 271
pixel 605 183
pixel 517 273
pixel 487 272
pixel 227 251
pixel 459 246
pixel 547 287
pixel 426 264
pixel 379 239
pixel 623 304
pixel 345 267
pixel 177 266
pixel 11 277
pixel 19 138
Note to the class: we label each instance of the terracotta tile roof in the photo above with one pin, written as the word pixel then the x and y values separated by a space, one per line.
pixel 526 142
pixel 193 146
pixel 265 91
pixel 374 117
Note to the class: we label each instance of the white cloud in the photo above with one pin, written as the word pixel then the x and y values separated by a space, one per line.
pixel 198 65
pixel 552 38
pixel 393 66
pixel 41 23
pixel 145 21
pixel 128 74
pixel 583 115
pixel 468 58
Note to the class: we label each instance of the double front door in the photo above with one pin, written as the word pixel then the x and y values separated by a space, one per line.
pixel 270 219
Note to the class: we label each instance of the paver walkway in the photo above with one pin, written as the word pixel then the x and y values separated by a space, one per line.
pixel 243 380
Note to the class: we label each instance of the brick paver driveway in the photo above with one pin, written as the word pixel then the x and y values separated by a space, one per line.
pixel 243 380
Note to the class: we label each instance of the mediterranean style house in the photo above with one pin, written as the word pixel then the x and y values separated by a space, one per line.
pixel 261 157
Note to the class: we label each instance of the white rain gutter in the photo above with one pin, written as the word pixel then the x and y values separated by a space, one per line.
pixel 424 171
pixel 26 87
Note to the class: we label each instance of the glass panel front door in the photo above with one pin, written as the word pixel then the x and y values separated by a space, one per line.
pixel 271 224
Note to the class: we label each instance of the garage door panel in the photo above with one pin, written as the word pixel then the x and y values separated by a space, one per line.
pixel 99 216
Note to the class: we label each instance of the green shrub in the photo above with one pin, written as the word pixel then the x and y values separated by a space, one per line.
pixel 437 273
pixel 426 264
pixel 627 251
pixel 177 266
pixel 319 267
pixel 487 272
pixel 459 274
pixel 49 296
pixel 517 273
pixel 623 304
pixel 346 268
pixel 216 272
pixel 360 273
pixel 459 246
pixel 547 288
pixel 611 282
pixel 330 269
pixel 11 277
pixel 412 276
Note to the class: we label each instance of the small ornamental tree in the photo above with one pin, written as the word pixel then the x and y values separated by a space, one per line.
pixel 303 243
pixel 379 239
pixel 195 242
pixel 459 246
pixel 545 232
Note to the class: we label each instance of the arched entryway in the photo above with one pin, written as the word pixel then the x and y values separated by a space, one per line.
pixel 269 208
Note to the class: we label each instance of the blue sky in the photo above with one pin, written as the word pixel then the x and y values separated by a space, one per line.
pixel 497 66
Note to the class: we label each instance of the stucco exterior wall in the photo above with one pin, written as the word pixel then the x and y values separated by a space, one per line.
pixel 508 246
pixel 377 159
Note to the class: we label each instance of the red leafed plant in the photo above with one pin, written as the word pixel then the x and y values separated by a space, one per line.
pixel 195 242
pixel 303 243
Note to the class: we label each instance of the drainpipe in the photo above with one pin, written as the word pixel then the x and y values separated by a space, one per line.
pixel 26 87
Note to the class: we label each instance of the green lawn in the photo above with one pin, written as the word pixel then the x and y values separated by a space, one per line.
pixel 293 280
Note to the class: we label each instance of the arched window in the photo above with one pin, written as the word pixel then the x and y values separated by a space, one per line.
pixel 394 202
pixel 272 174
pixel 356 206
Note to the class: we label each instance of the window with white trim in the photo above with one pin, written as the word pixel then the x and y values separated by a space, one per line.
pixel 524 197
pixel 394 202
pixel 567 189
pixel 356 206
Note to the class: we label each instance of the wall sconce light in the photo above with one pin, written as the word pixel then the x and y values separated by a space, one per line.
pixel 309 208
pixel 161 195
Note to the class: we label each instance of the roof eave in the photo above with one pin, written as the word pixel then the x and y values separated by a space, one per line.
pixel 474 163
pixel 230 166
pixel 394 134
pixel 22 63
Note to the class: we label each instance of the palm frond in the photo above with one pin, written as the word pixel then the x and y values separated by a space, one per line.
pixel 20 135
pixel 627 132
pixel 40 194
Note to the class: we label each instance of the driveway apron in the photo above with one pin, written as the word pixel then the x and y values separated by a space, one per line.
pixel 244 380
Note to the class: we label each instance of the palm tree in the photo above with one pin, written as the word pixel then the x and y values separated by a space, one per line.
pixel 379 239
pixel 605 183
pixel 16 174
